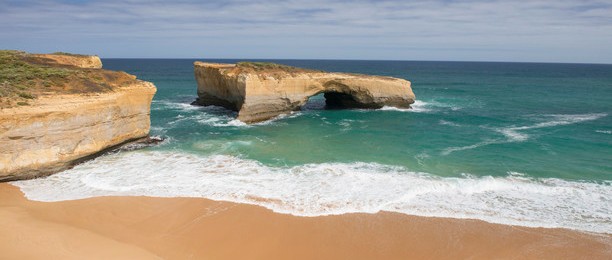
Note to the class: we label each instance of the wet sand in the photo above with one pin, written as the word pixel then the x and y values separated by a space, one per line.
pixel 191 228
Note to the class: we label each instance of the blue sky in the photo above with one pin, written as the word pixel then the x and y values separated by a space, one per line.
pixel 546 31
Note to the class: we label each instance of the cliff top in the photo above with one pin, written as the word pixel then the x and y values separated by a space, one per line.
pixel 259 68
pixel 69 54
pixel 25 76
pixel 275 70
pixel 270 67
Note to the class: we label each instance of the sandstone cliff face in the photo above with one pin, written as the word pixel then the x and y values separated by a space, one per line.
pixel 55 132
pixel 69 116
pixel 260 92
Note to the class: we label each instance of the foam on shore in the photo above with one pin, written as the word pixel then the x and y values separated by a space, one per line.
pixel 335 188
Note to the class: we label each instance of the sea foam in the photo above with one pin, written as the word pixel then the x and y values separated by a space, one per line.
pixel 212 115
pixel 334 188
pixel 418 106
pixel 516 134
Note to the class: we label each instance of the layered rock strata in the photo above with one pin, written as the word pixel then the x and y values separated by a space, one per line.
pixel 56 130
pixel 261 91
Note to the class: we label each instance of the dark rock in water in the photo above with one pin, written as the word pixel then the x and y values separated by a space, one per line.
pixel 140 144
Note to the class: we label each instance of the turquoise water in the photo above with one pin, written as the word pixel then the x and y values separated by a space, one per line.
pixel 514 143
pixel 458 128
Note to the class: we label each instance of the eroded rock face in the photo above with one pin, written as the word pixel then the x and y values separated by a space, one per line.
pixel 56 129
pixel 56 132
pixel 261 91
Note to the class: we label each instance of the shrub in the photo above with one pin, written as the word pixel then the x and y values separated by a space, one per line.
pixel 26 95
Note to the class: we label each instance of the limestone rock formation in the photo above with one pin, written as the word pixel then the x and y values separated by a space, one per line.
pixel 50 123
pixel 76 60
pixel 261 91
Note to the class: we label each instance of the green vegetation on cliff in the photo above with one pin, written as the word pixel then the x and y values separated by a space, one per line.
pixel 269 67
pixel 19 78
pixel 262 65
pixel 24 77
pixel 68 54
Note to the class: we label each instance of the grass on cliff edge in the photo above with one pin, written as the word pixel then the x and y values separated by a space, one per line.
pixel 16 71
pixel 23 78
pixel 18 78
pixel 69 54
pixel 271 67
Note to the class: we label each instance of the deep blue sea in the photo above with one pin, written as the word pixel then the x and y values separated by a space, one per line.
pixel 514 143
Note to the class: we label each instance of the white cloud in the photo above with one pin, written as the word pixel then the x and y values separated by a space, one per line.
pixel 567 31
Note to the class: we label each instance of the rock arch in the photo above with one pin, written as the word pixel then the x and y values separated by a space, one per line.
pixel 260 91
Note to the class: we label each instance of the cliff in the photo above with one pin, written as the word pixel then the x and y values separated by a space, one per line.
pixel 56 112
pixel 61 58
pixel 260 91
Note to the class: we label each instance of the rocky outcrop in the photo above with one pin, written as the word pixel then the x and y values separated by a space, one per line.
pixel 76 60
pixel 56 130
pixel 260 91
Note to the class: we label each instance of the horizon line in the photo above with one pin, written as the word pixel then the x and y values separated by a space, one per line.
pixel 398 60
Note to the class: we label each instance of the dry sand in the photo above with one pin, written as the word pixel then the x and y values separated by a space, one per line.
pixel 189 228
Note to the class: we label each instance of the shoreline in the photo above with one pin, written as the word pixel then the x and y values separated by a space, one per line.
pixel 183 228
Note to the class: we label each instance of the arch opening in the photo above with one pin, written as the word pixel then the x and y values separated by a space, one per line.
pixel 333 100
pixel 337 100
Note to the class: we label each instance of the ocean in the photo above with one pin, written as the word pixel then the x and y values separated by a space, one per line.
pixel 525 144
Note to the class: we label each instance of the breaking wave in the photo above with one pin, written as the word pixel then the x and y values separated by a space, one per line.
pixel 516 134
pixel 420 106
pixel 334 188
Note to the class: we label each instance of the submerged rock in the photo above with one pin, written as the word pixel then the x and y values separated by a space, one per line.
pixel 55 113
pixel 261 91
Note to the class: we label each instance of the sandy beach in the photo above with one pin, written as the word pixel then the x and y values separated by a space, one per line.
pixel 307 130
pixel 189 228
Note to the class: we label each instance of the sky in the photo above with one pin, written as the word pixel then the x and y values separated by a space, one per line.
pixel 531 31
